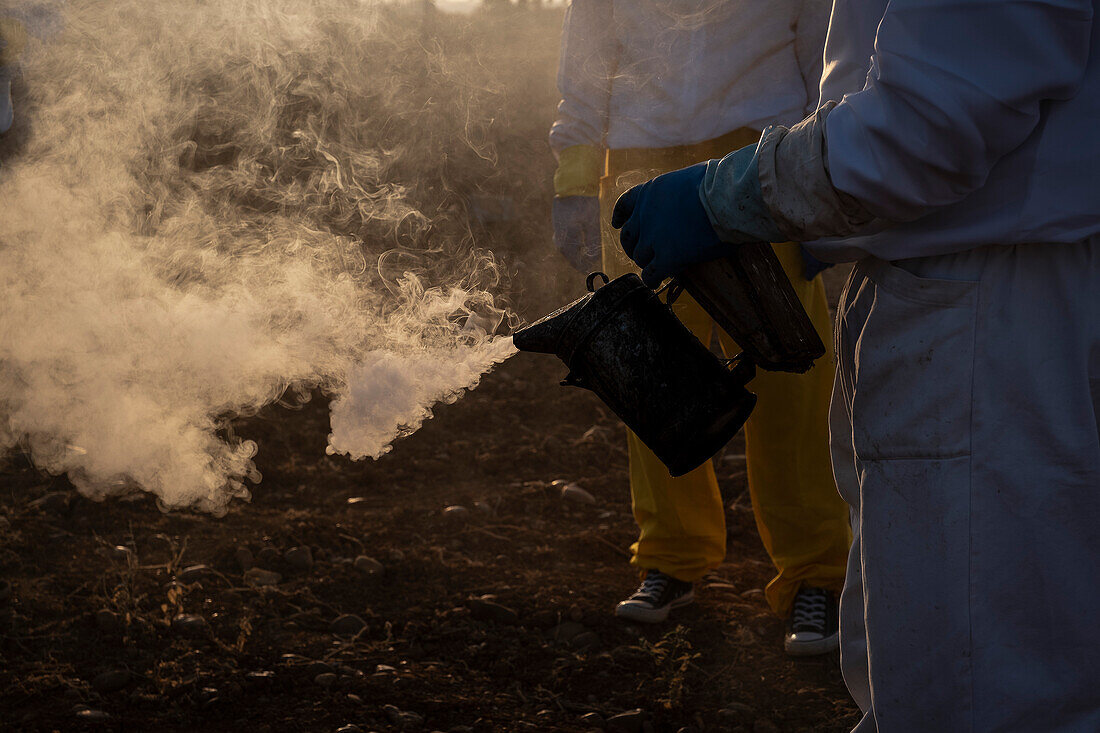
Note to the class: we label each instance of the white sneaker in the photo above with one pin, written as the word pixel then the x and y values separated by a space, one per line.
pixel 656 596
pixel 812 628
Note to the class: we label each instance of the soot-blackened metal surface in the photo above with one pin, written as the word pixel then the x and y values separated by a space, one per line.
pixel 624 344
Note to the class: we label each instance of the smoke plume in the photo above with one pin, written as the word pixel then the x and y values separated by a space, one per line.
pixel 219 204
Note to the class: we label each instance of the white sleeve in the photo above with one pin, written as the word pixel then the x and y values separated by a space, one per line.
pixel 588 54
pixel 809 46
pixel 954 86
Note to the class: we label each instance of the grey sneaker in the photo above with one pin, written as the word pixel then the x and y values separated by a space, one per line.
pixel 656 596
pixel 812 627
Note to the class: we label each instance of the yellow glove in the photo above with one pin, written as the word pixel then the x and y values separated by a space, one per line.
pixel 579 170
pixel 13 37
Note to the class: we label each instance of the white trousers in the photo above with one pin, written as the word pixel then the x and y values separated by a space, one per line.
pixel 966 441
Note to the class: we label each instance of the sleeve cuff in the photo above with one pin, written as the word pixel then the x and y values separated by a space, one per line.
pixel 795 183
pixel 579 171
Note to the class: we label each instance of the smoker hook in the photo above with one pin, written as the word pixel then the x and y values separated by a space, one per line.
pixel 591 279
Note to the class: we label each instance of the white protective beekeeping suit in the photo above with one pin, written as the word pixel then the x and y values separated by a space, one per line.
pixel 959 166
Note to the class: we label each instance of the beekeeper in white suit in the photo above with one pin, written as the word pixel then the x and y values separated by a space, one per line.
pixel 958 162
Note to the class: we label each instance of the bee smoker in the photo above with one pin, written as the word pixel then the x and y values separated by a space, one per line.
pixel 624 343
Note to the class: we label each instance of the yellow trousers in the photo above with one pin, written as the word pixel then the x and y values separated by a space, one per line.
pixel 801 518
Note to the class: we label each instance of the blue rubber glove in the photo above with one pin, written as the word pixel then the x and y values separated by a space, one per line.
pixel 664 225
pixel 577 230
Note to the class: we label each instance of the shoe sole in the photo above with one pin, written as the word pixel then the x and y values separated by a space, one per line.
pixel 812 648
pixel 630 612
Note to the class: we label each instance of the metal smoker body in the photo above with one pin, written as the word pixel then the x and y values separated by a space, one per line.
pixel 626 345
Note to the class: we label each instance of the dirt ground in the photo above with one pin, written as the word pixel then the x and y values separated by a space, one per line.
pixel 405 613
pixel 161 602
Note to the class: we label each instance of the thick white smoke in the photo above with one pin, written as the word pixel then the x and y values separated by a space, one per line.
pixel 192 225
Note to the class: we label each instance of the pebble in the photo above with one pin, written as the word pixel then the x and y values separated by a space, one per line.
pixel 456 512
pixel 189 623
pixel 112 680
pixel 261 577
pixel 485 610
pixel 121 552
pixel 735 713
pixel 566 631
pixel 397 556
pixel 593 720
pixel 483 507
pixel 268 556
pixel 191 573
pixel 326 679
pixel 402 718
pixel 299 558
pixel 585 641
pixel 349 728
pixel 318 667
pixel 244 558
pixel 628 722
pixel 574 493
pixel 347 624
pixel 260 677
pixel 55 502
pixel 369 565
pixel 93 716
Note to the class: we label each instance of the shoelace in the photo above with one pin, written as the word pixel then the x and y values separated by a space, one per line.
pixel 652 587
pixel 809 608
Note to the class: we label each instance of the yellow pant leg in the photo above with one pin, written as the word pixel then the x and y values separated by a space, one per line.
pixel 802 520
pixel 681 521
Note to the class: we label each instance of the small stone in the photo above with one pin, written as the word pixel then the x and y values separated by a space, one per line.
pixel 55 502
pixel 191 573
pixel 261 577
pixel 628 722
pixel 121 552
pixel 347 625
pixel 112 680
pixel 483 507
pixel 189 624
pixel 396 556
pixel 368 565
pixel 688 729
pixel 315 668
pixel 736 713
pixel 565 632
pixel 585 641
pixel 484 610
pixel 353 500
pixel 349 728
pixel 402 718
pixel 456 513
pixel 385 669
pixel 259 677
pixel 244 558
pixel 327 679
pixel 299 558
pixel 574 493
pixel 268 556
pixel 91 715
pixel 593 720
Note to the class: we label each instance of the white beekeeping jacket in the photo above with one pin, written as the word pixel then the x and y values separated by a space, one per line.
pixel 972 122
pixel 659 73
